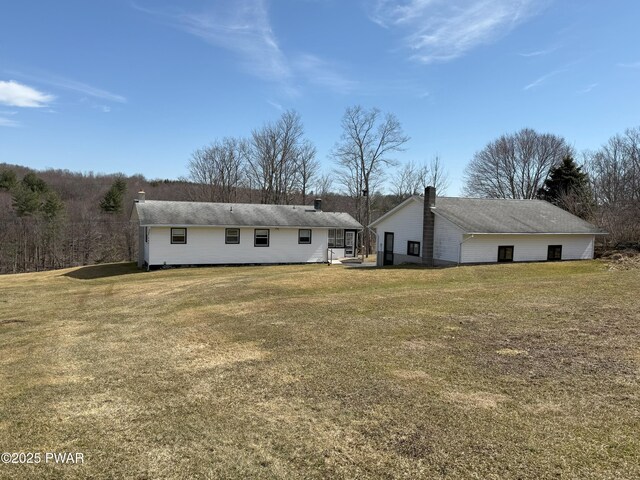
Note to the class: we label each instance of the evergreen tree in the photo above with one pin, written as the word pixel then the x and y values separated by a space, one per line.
pixel 567 186
pixel 25 201
pixel 112 201
pixel 52 206
pixel 34 183
pixel 8 179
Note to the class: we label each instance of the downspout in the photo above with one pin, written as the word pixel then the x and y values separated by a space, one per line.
pixel 460 248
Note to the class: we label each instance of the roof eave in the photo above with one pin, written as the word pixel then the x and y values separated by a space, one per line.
pixel 185 225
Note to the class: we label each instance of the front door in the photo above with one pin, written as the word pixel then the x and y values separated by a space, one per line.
pixel 349 243
pixel 388 248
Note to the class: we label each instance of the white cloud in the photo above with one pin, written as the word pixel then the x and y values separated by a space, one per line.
pixel 73 85
pixel 442 30
pixel 17 94
pixel 323 74
pixel 543 79
pixel 587 89
pixel 538 53
pixel 629 65
pixel 275 105
pixel 241 27
pixel 7 122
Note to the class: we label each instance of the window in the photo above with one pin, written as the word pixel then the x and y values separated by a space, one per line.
pixel 232 235
pixel 413 249
pixel 336 237
pixel 146 234
pixel 505 254
pixel 261 238
pixel 304 235
pixel 178 235
pixel 554 252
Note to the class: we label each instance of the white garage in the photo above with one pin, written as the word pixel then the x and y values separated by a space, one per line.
pixel 452 230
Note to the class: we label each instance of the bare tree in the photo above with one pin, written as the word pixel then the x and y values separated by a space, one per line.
pixel 406 180
pixel 324 184
pixel 308 167
pixel 515 165
pixel 614 170
pixel 368 139
pixel 437 176
pixel 217 170
pixel 412 178
pixel 274 159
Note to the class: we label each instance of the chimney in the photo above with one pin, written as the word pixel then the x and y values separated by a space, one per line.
pixel 317 204
pixel 428 226
pixel 140 196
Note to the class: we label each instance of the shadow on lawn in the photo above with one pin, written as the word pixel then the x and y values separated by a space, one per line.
pixel 91 272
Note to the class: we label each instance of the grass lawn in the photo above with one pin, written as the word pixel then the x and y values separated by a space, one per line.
pixel 502 371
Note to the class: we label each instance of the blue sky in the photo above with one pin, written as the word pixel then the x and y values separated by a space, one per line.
pixel 135 87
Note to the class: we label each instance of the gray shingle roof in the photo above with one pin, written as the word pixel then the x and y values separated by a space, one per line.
pixel 160 212
pixel 488 215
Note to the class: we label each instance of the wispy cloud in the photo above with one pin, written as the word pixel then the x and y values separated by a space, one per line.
pixel 7 122
pixel 538 53
pixel 17 94
pixel 69 84
pixel 321 73
pixel 629 65
pixel 242 27
pixel 587 89
pixel 543 79
pixel 442 30
pixel 275 105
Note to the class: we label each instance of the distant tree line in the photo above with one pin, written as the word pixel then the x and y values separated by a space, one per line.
pixel 56 218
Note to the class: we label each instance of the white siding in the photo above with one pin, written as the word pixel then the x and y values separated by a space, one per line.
pixel 484 248
pixel 406 224
pixel 205 245
pixel 446 240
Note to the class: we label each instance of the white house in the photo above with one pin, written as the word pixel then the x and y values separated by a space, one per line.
pixel 203 233
pixel 452 230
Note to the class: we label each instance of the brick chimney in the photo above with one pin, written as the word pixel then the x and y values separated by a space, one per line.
pixel 140 196
pixel 428 226
pixel 317 204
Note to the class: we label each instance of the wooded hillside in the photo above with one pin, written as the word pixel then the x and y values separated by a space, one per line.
pixel 58 218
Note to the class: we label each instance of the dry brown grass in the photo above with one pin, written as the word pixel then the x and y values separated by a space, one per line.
pixel 510 371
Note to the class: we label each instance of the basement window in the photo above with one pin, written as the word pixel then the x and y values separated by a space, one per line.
pixel 232 236
pixel 336 238
pixel 505 253
pixel 304 236
pixel 554 253
pixel 179 235
pixel 413 249
pixel 261 238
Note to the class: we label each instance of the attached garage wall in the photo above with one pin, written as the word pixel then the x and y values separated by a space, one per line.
pixel 406 225
pixel 206 245
pixel 446 241
pixel 484 248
